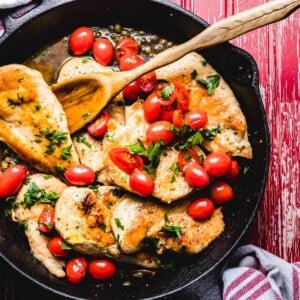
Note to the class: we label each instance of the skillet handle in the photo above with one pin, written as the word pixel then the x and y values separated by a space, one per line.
pixel 219 32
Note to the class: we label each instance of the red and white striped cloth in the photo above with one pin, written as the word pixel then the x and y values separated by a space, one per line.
pixel 255 274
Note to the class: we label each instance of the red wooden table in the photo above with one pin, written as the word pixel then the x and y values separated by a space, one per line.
pixel 276 49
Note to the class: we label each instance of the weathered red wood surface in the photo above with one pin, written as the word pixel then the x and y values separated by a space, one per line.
pixel 276 49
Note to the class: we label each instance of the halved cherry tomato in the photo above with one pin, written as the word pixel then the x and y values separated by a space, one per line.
pixel 103 51
pixel 129 62
pixel 233 172
pixel 58 247
pixel 81 40
pixel 99 127
pixel 131 92
pixel 76 269
pixel 160 131
pixel 46 219
pixel 187 156
pixel 177 118
pixel 147 82
pixel 221 192
pixel 141 182
pixel 126 46
pixel 102 269
pixel 152 108
pixel 196 176
pixel 80 175
pixel 182 96
pixel 125 160
pixel 201 208
pixel 217 164
pixel 196 119
pixel 11 180
pixel 166 92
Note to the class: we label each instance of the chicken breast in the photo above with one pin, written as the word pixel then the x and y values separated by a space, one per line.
pixel 27 211
pixel 222 107
pixel 33 123
pixel 83 219
pixel 168 225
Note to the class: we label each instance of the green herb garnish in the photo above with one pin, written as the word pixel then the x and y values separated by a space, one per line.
pixel 66 152
pixel 119 224
pixel 82 139
pixel 55 138
pixel 211 83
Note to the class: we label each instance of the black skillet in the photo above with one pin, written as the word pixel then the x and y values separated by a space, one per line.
pixel 51 20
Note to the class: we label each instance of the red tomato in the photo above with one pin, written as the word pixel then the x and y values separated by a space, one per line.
pixel 167 113
pixel 76 269
pixel 182 96
pixel 103 51
pixel 141 182
pixel 166 92
pixel 99 127
pixel 233 172
pixel 217 164
pixel 102 269
pixel 187 156
pixel 196 176
pixel 221 192
pixel 11 180
pixel 46 219
pixel 125 160
pixel 132 91
pixel 160 131
pixel 177 118
pixel 126 46
pixel 81 40
pixel 201 208
pixel 56 246
pixel 80 175
pixel 147 82
pixel 196 119
pixel 152 108
pixel 129 62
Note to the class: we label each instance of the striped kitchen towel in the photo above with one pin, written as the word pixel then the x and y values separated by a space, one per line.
pixel 5 4
pixel 255 274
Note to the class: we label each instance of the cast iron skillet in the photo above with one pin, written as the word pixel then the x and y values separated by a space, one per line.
pixel 52 20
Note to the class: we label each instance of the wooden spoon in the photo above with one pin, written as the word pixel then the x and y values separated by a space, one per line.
pixel 83 97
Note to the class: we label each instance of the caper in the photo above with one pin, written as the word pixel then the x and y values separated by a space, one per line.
pixel 146 49
pixel 117 28
pixel 163 42
pixel 158 48
pixel 125 32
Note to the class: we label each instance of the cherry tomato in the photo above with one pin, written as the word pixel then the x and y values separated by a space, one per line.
pixel 103 51
pixel 46 219
pixel 126 46
pixel 81 40
pixel 132 91
pixel 125 160
pixel 160 131
pixel 147 82
pixel 129 62
pixel 167 113
pixel 76 269
pixel 221 192
pixel 11 180
pixel 196 176
pixel 58 247
pixel 187 156
pixel 80 175
pixel 152 108
pixel 217 164
pixel 177 118
pixel 166 92
pixel 201 208
pixel 196 119
pixel 102 269
pixel 99 127
pixel 182 96
pixel 141 182
pixel 233 172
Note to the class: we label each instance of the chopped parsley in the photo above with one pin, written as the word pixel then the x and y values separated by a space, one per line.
pixel 66 246
pixel 167 91
pixel 85 116
pixel 210 134
pixel 170 228
pixel 211 83
pixel 66 152
pixel 36 195
pixel 15 102
pixel 82 139
pixel 110 136
pixel 175 170
pixel 55 138
pixel 195 139
pixel 37 107
pixel 119 224
pixel 102 226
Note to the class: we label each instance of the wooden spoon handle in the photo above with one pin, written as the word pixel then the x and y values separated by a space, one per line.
pixel 220 32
